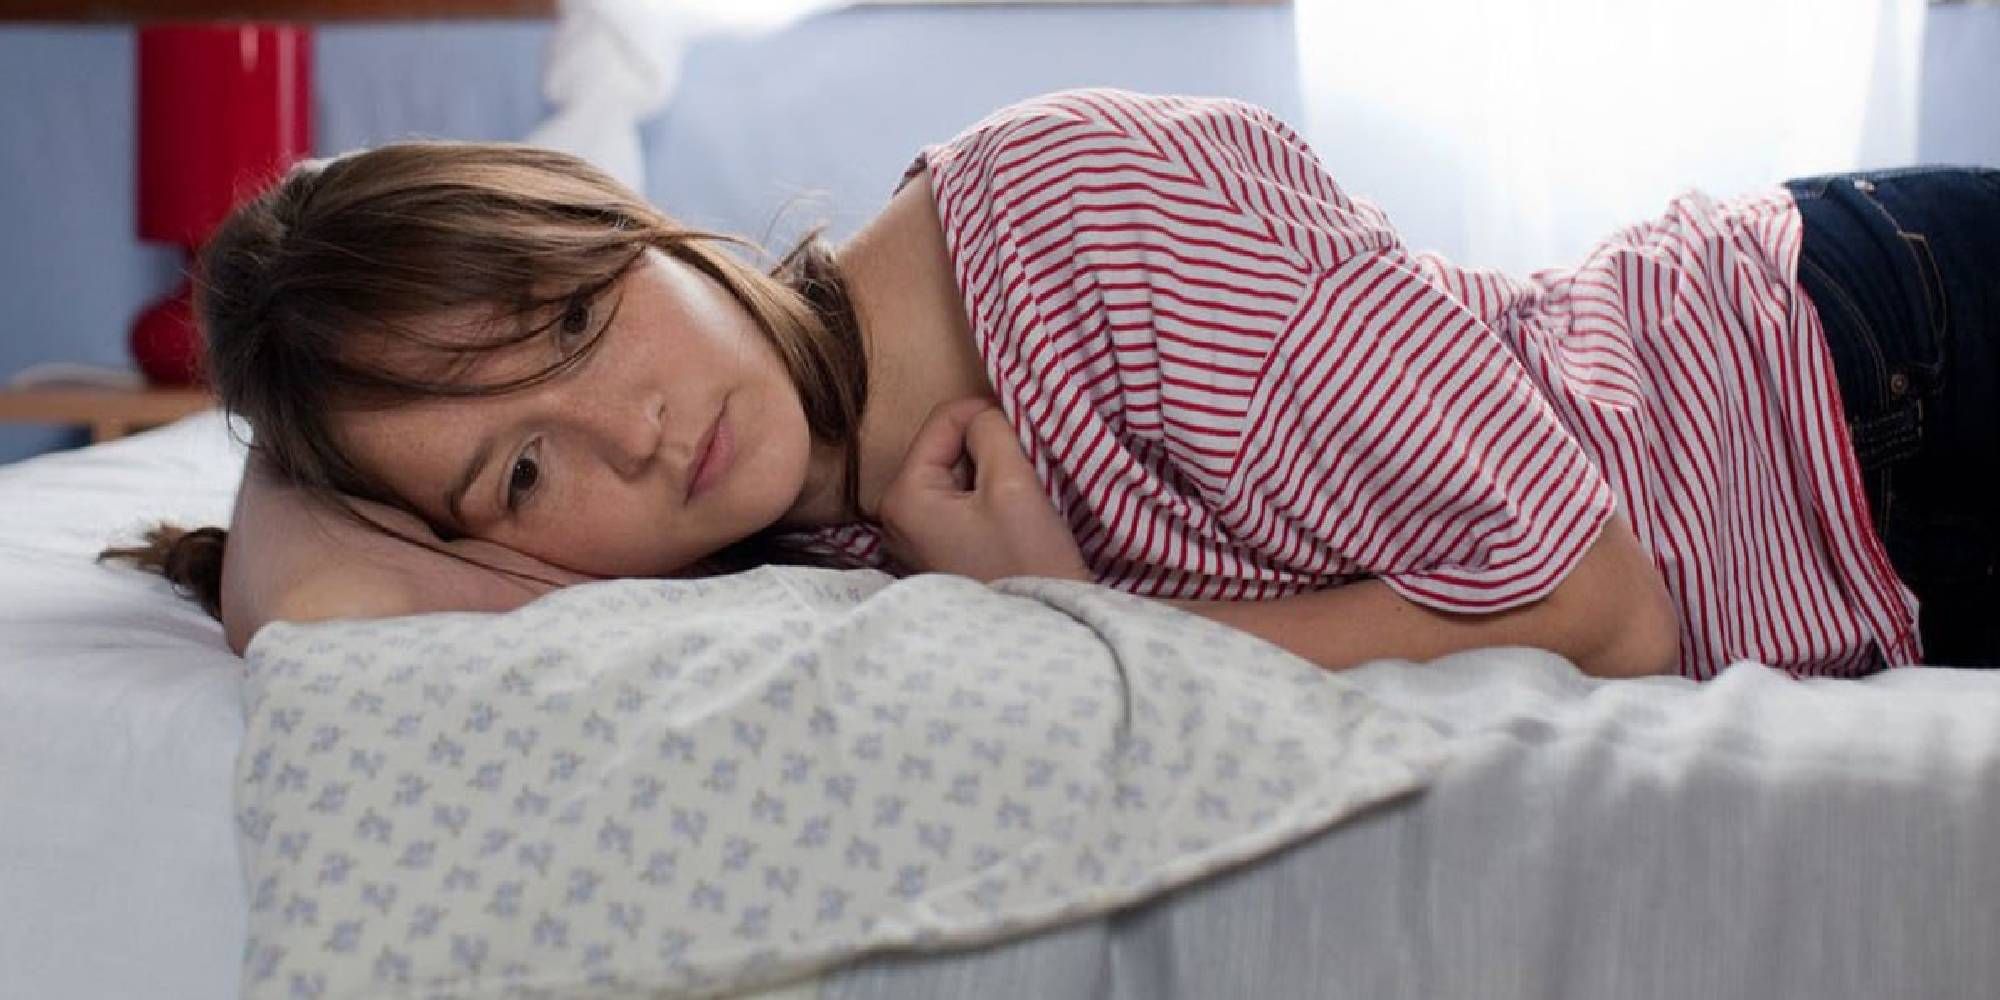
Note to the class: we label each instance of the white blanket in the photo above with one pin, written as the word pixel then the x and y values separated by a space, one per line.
pixel 701 786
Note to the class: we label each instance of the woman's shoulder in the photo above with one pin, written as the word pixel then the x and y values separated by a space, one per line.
pixel 1190 170
pixel 1113 111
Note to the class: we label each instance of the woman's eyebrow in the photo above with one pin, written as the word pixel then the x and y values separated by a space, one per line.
pixel 454 497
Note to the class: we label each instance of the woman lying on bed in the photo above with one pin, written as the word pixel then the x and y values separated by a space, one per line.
pixel 1140 340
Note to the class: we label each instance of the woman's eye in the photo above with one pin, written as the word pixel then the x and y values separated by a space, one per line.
pixel 521 480
pixel 575 321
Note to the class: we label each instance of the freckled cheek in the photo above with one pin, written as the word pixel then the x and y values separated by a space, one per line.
pixel 619 533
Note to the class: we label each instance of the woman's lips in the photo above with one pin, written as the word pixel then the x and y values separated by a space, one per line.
pixel 713 460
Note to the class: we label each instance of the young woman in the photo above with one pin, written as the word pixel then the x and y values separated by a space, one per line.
pixel 1142 340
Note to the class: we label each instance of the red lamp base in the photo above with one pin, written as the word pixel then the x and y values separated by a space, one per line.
pixel 223 109
pixel 165 341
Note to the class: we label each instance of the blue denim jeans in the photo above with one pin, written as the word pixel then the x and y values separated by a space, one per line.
pixel 1903 267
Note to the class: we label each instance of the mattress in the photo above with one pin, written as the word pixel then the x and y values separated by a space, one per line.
pixel 1755 836
pixel 120 714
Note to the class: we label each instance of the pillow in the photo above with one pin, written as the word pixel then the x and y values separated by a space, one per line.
pixel 645 786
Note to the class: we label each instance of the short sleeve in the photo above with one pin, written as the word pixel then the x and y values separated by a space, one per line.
pixel 1395 435
pixel 1231 374
pixel 1391 432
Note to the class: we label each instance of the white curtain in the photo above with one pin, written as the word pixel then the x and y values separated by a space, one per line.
pixel 1517 133
pixel 613 64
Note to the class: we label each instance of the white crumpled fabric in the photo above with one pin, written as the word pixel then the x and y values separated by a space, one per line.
pixel 613 64
pixel 690 787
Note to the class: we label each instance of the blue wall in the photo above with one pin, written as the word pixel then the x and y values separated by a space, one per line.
pixel 841 104
pixel 1959 120
pixel 71 271
pixel 834 107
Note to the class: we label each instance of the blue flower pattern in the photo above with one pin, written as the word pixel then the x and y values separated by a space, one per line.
pixel 646 788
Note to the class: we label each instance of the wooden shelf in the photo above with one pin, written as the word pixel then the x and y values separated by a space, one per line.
pixel 109 413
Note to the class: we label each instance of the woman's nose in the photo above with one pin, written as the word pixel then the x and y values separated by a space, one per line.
pixel 629 434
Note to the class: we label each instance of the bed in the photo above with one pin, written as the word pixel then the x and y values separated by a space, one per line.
pixel 1755 836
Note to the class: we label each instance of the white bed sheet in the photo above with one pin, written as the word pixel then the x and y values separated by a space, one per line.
pixel 1754 837
pixel 120 715
pixel 1751 837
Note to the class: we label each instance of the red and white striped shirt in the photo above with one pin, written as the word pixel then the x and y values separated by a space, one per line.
pixel 1236 383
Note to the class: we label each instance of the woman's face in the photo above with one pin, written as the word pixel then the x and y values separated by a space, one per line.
pixel 596 469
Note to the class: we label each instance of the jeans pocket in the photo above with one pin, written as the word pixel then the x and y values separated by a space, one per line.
pixel 1850 337
pixel 1925 280
pixel 1937 306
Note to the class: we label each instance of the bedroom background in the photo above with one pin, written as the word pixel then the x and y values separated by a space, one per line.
pixel 1752 836
pixel 1514 155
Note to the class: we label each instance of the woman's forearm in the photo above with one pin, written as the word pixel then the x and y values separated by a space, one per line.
pixel 293 556
pixel 1610 616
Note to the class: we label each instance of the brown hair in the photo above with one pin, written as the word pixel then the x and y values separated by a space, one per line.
pixel 365 245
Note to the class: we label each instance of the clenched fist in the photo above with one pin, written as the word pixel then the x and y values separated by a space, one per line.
pixel 967 502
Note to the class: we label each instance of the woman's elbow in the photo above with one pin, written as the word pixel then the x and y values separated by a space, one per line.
pixel 1641 637
pixel 1647 643
pixel 1630 627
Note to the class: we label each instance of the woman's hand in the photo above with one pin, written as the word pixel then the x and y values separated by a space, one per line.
pixel 968 502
